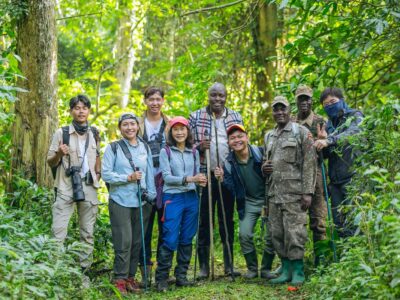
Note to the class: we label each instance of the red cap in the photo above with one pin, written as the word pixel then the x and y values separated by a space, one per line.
pixel 235 126
pixel 178 120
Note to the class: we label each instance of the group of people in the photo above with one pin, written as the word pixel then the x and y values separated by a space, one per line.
pixel 181 170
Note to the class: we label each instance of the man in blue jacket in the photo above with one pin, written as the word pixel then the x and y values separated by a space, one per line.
pixel 243 178
pixel 343 123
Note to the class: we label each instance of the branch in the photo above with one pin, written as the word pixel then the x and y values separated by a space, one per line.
pixel 104 69
pixel 78 16
pixel 201 10
pixel 99 113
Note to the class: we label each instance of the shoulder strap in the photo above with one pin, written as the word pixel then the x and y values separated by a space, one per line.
pixel 145 144
pixel 296 132
pixel 65 135
pixel 168 150
pixel 228 167
pixel 127 154
pixel 96 134
pixel 194 160
pixel 257 152
pixel 114 147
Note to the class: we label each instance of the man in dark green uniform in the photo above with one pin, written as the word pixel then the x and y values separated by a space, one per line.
pixel 315 123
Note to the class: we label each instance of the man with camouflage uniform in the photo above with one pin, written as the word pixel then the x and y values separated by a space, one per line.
pixel 290 162
pixel 315 124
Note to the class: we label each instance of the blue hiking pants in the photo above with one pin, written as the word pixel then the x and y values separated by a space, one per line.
pixel 180 219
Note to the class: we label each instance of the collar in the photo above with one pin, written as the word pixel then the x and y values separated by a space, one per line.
pixel 309 120
pixel 177 149
pixel 223 116
pixel 163 116
pixel 72 130
pixel 129 144
pixel 250 156
pixel 288 127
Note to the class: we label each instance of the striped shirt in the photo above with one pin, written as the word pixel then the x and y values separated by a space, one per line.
pixel 200 123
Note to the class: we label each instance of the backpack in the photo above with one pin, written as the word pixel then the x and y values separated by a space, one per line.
pixel 126 152
pixel 159 181
pixel 65 141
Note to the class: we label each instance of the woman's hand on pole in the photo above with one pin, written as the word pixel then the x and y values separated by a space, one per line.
pixel 135 176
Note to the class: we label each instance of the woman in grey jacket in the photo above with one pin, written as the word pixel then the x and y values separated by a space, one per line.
pixel 179 164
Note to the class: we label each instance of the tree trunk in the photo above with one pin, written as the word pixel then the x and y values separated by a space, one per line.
pixel 36 115
pixel 129 30
pixel 265 32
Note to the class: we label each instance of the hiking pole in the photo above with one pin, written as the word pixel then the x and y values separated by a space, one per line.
pixel 142 231
pixel 210 211
pixel 228 246
pixel 197 234
pixel 328 206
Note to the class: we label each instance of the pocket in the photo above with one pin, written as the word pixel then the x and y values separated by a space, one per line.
pixel 289 149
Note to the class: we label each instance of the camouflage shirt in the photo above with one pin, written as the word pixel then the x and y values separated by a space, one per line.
pixel 311 122
pixel 293 157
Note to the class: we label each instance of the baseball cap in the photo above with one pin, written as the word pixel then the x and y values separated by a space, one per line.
pixel 126 116
pixel 235 126
pixel 304 90
pixel 178 120
pixel 280 99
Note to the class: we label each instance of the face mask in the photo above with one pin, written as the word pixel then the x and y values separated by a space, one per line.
pixel 333 109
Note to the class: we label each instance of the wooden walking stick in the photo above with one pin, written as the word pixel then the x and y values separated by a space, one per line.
pixel 210 210
pixel 228 246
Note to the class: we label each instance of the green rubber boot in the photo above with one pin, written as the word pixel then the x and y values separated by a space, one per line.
pixel 298 272
pixel 286 274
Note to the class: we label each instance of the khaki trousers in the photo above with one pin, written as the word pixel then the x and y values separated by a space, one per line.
pixel 64 207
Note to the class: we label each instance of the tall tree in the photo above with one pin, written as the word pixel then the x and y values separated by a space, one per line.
pixel 128 34
pixel 36 110
pixel 265 33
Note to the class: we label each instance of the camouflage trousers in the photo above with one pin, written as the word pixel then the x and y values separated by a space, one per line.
pixel 288 229
pixel 318 210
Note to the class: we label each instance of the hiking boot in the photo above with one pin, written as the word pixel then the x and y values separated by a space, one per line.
pixel 120 285
pixel 286 274
pixel 183 256
pixel 252 265
pixel 162 286
pixel 298 272
pixel 266 265
pixel 204 262
pixel 164 264
pixel 132 285
pixel 182 282
pixel 228 265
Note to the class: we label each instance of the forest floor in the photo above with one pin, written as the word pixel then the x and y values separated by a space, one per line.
pixel 221 288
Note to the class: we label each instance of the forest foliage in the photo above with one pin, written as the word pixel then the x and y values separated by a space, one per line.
pixel 185 46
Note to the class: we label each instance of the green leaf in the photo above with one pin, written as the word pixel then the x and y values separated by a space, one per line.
pixel 366 268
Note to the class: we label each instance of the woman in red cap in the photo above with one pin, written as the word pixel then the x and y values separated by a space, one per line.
pixel 179 164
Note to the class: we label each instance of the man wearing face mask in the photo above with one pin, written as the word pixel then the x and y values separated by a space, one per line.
pixel 343 122
pixel 316 125
pixel 204 124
